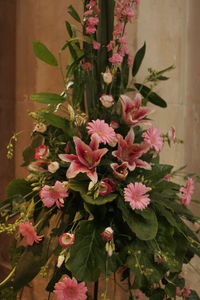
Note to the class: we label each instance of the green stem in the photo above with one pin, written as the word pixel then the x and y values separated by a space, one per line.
pixel 8 277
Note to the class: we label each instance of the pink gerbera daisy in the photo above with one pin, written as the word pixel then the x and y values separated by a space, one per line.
pixel 187 191
pixel 28 231
pixel 70 289
pixel 105 133
pixel 153 139
pixel 136 195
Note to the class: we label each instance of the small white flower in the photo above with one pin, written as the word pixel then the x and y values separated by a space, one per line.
pixel 40 127
pixel 107 100
pixel 61 259
pixel 53 166
pixel 107 77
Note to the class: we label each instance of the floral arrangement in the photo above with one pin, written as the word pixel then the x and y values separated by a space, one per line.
pixel 97 201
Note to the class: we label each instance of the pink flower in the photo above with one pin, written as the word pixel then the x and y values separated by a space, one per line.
pixel 92 21
pixel 136 195
pixel 54 194
pixel 96 45
pixel 130 61
pixel 70 289
pixel 118 29
pixel 107 186
pixel 120 171
pixel 172 135
pixel 132 112
pixel 86 160
pixel 130 153
pixel 104 132
pixel 187 191
pixel 66 239
pixel 107 234
pixel 114 124
pixel 139 295
pixel 41 152
pixel 153 139
pixel 116 59
pixel 28 231
pixel 178 291
pixel 128 12
pixel 107 100
pixel 167 177
pixel 110 46
pixel 90 29
pixel 88 12
pixel 87 66
pixel 186 292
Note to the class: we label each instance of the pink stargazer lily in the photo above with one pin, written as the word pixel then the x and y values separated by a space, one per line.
pixel 86 160
pixel 132 111
pixel 130 153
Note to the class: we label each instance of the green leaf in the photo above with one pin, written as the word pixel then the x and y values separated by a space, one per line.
pixel 58 122
pixel 143 223
pixel 125 71
pixel 43 53
pixel 74 13
pixel 138 59
pixel 150 96
pixel 69 29
pixel 170 290
pixel 82 187
pixel 193 296
pixel 157 294
pixel 18 187
pixel 87 255
pixel 47 98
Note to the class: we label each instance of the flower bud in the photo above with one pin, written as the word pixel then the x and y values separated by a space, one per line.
pixel 40 127
pixel 66 239
pixel 107 234
pixel 53 166
pixel 60 261
pixel 107 100
pixel 107 77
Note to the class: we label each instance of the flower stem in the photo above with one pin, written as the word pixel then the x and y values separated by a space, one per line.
pixel 8 277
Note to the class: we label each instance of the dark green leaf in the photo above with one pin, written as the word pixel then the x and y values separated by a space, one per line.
pixel 43 53
pixel 69 29
pixel 125 72
pixel 151 96
pixel 47 98
pixel 138 59
pixel 163 77
pixel 74 13
pixel 170 290
pixel 143 223
pixel 193 296
pixel 58 122
pixel 18 187
pixel 87 255
pixel 157 294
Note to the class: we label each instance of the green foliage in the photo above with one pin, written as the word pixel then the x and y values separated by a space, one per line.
pixel 87 255
pixel 43 53
pixel 58 122
pixel 150 96
pixel 69 28
pixel 18 187
pixel 138 59
pixel 73 13
pixel 143 223
pixel 47 98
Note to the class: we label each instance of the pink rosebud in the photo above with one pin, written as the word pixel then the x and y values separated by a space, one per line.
pixel 87 66
pixel 66 239
pixel 167 177
pixel 178 291
pixel 107 77
pixel 28 231
pixel 107 234
pixel 116 59
pixel 186 292
pixel 90 29
pixel 96 45
pixel 114 124
pixel 41 152
pixel 107 186
pixel 107 100
pixel 92 21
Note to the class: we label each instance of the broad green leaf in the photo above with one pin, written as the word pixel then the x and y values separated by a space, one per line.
pixel 87 255
pixel 151 96
pixel 158 294
pixel 69 29
pixel 116 85
pixel 82 187
pixel 73 13
pixel 58 122
pixel 43 53
pixel 47 98
pixel 158 172
pixel 125 72
pixel 18 187
pixel 143 223
pixel 138 59
pixel 170 290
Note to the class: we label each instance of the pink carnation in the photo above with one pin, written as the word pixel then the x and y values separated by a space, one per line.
pixel 153 139
pixel 105 133
pixel 96 45
pixel 54 194
pixel 70 289
pixel 28 231
pixel 187 191
pixel 136 195
pixel 116 59
pixel 41 152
